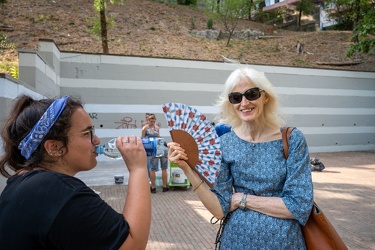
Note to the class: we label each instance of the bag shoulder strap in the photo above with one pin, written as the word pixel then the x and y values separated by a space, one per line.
pixel 285 133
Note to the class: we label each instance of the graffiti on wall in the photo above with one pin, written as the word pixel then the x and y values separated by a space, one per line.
pixel 93 115
pixel 127 122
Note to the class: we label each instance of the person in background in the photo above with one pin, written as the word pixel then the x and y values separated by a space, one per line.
pixel 153 130
pixel 262 197
pixel 43 206
pixel 145 122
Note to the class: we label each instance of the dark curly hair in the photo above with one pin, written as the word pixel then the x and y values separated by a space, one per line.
pixel 25 114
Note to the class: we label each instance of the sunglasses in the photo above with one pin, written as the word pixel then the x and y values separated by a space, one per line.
pixel 250 94
pixel 87 132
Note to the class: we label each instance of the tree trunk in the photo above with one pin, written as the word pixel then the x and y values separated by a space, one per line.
pixel 299 19
pixel 250 8
pixel 103 26
pixel 358 12
pixel 229 37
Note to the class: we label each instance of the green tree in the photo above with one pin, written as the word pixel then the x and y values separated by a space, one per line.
pixel 252 5
pixel 228 12
pixel 358 16
pixel 364 32
pixel 304 7
pixel 101 30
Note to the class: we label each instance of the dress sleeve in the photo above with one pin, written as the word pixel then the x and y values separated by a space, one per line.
pixel 223 187
pixel 297 193
pixel 87 222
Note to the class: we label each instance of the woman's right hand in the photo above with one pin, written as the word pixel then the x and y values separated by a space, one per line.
pixel 177 155
pixel 132 151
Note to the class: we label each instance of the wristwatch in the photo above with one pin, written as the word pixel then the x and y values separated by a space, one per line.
pixel 242 204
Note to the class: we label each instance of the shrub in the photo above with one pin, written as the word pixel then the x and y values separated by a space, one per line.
pixel 210 24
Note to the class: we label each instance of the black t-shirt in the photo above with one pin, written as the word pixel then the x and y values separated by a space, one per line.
pixel 48 210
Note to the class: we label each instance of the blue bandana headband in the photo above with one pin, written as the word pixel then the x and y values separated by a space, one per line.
pixel 41 128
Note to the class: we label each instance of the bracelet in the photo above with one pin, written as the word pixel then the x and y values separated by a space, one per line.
pixel 195 188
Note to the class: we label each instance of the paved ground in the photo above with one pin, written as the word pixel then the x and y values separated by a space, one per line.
pixel 344 191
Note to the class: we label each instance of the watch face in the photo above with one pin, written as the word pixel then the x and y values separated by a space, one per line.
pixel 242 204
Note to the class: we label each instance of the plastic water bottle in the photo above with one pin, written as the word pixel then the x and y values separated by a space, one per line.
pixel 154 147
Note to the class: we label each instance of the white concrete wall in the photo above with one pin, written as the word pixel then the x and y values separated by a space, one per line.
pixel 335 109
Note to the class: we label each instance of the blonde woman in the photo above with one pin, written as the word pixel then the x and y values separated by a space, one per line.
pixel 263 197
pixel 153 130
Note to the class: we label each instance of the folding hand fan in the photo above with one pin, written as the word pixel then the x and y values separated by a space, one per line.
pixel 192 130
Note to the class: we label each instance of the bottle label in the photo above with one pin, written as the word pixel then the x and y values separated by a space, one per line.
pixel 154 147
pixel 150 146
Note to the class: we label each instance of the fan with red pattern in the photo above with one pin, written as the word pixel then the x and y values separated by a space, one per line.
pixel 196 134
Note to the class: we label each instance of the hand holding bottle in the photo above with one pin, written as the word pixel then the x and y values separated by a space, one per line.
pixel 154 147
pixel 132 151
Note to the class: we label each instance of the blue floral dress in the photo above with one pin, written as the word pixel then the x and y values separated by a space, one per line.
pixel 261 169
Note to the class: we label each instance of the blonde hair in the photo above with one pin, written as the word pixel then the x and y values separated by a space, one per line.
pixel 227 112
pixel 151 115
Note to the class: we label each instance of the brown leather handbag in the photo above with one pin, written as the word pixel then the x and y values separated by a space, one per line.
pixel 318 231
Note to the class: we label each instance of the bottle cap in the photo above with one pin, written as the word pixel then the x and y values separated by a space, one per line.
pixel 99 149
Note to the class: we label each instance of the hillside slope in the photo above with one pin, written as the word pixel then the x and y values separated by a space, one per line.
pixel 153 29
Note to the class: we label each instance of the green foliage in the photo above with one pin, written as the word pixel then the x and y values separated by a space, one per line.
pixel 3 1
pixel 5 44
pixel 305 6
pixel 193 23
pixel 366 46
pixel 102 4
pixel 358 16
pixel 343 25
pixel 228 12
pixel 210 24
pixel 300 62
pixel 276 14
pixel 102 23
pixel 348 12
pixel 365 30
pixel 13 70
pixel 168 1
pixel 187 2
pixel 191 2
pixel 42 18
pixel 95 27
